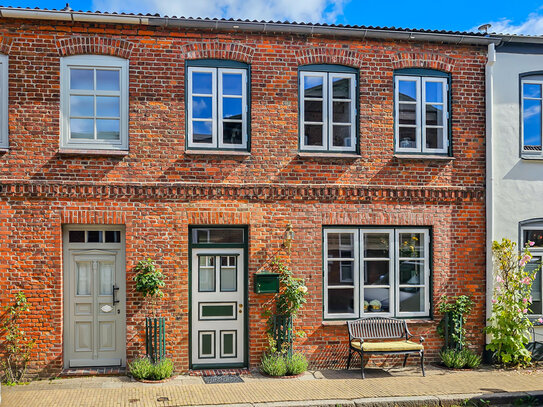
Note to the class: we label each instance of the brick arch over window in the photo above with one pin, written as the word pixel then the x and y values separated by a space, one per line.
pixel 423 60
pixel 323 55
pixel 5 45
pixel 218 50
pixel 94 45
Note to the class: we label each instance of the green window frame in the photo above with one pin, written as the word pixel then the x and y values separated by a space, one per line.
pixel 422 112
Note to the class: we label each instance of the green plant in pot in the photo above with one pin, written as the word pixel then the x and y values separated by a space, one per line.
pixel 150 282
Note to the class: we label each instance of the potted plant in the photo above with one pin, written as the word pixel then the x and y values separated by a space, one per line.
pixel 366 306
pixel 375 305
pixel 149 282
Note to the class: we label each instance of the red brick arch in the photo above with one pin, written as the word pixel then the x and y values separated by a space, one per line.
pixel 218 50
pixel 328 55
pixel 423 60
pixel 94 45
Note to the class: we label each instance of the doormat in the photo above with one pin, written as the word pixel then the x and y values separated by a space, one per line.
pixel 229 378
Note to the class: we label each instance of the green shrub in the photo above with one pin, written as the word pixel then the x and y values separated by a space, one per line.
pixel 460 359
pixel 144 369
pixel 296 364
pixel 273 364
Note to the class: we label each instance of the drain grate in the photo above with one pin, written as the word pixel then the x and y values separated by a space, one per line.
pixel 230 378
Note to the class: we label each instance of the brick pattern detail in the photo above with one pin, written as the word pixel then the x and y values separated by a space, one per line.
pixel 116 47
pixel 5 44
pixel 218 50
pixel 423 60
pixel 328 55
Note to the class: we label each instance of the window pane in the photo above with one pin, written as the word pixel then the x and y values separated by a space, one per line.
pixel 313 110
pixel 82 128
pixel 534 235
pixel 106 278
pixel 313 86
pixel 83 278
pixel 434 115
pixel 206 274
pixel 341 245
pixel 232 133
pixel 231 108
pixel 411 299
pixel 108 129
pixel 434 92
pixel 412 272
pixel 341 88
pixel 341 136
pixel 77 236
pixel 107 79
pixel 376 245
pixel 218 235
pixel 82 106
pixel 376 272
pixel 113 236
pixel 201 132
pixel 82 79
pixel 94 236
pixel 531 90
pixel 107 106
pixel 408 137
pixel 434 138
pixel 202 107
pixel 536 307
pixel 231 84
pixel 228 279
pixel 407 113
pixel 342 112
pixel 380 298
pixel 341 301
pixel 408 91
pixel 313 135
pixel 411 245
pixel 531 116
pixel 340 272
pixel 202 82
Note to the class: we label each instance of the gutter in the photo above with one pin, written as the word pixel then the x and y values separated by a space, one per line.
pixel 245 26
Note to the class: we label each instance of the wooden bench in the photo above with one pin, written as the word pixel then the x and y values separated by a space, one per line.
pixel 388 335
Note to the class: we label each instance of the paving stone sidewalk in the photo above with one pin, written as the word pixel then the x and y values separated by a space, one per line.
pixel 320 388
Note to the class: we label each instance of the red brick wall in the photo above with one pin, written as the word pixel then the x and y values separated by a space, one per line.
pixel 157 190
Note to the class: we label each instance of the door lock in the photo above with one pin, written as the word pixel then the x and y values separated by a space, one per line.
pixel 113 293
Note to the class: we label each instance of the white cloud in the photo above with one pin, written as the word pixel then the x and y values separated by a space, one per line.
pixel 533 25
pixel 291 10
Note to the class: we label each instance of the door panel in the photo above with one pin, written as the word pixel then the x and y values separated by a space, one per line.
pixel 217 307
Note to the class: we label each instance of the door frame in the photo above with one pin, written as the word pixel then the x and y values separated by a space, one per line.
pixel 90 248
pixel 245 247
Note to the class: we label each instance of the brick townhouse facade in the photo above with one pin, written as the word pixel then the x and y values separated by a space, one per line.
pixel 195 143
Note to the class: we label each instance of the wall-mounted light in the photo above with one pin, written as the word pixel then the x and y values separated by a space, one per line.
pixel 289 237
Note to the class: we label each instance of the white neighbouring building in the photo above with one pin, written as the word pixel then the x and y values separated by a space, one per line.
pixel 515 153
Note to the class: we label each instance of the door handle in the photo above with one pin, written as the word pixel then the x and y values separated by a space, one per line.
pixel 113 293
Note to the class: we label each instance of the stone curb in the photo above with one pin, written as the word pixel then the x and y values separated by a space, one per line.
pixel 445 400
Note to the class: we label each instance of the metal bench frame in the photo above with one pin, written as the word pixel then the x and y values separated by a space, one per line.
pixel 380 328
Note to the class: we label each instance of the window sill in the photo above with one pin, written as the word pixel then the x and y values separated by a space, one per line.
pixel 4 150
pixel 532 157
pixel 87 152
pixel 415 321
pixel 435 157
pixel 349 156
pixel 218 152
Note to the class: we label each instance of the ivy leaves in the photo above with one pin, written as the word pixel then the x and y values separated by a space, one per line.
pixel 149 279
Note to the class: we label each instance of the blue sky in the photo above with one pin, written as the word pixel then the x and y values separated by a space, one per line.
pixel 520 17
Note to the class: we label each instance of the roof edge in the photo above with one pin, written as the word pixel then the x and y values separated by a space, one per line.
pixel 247 26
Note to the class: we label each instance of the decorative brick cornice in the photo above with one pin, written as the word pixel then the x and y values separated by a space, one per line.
pixel 94 45
pixel 423 60
pixel 5 44
pixel 253 192
pixel 218 50
pixel 327 55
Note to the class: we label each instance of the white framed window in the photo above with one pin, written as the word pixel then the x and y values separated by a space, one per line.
pixel 531 116
pixel 217 108
pixel 533 231
pixel 327 111
pixel 4 92
pixel 94 102
pixel 376 271
pixel 421 114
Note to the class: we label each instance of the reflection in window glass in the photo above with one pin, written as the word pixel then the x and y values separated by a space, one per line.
pixel 218 235
pixel 531 116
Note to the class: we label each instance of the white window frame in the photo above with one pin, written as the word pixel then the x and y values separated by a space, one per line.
pixel 217 139
pixel 522 83
pixel 327 111
pixel 93 62
pixel 394 263
pixel 4 106
pixel 535 252
pixel 420 113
